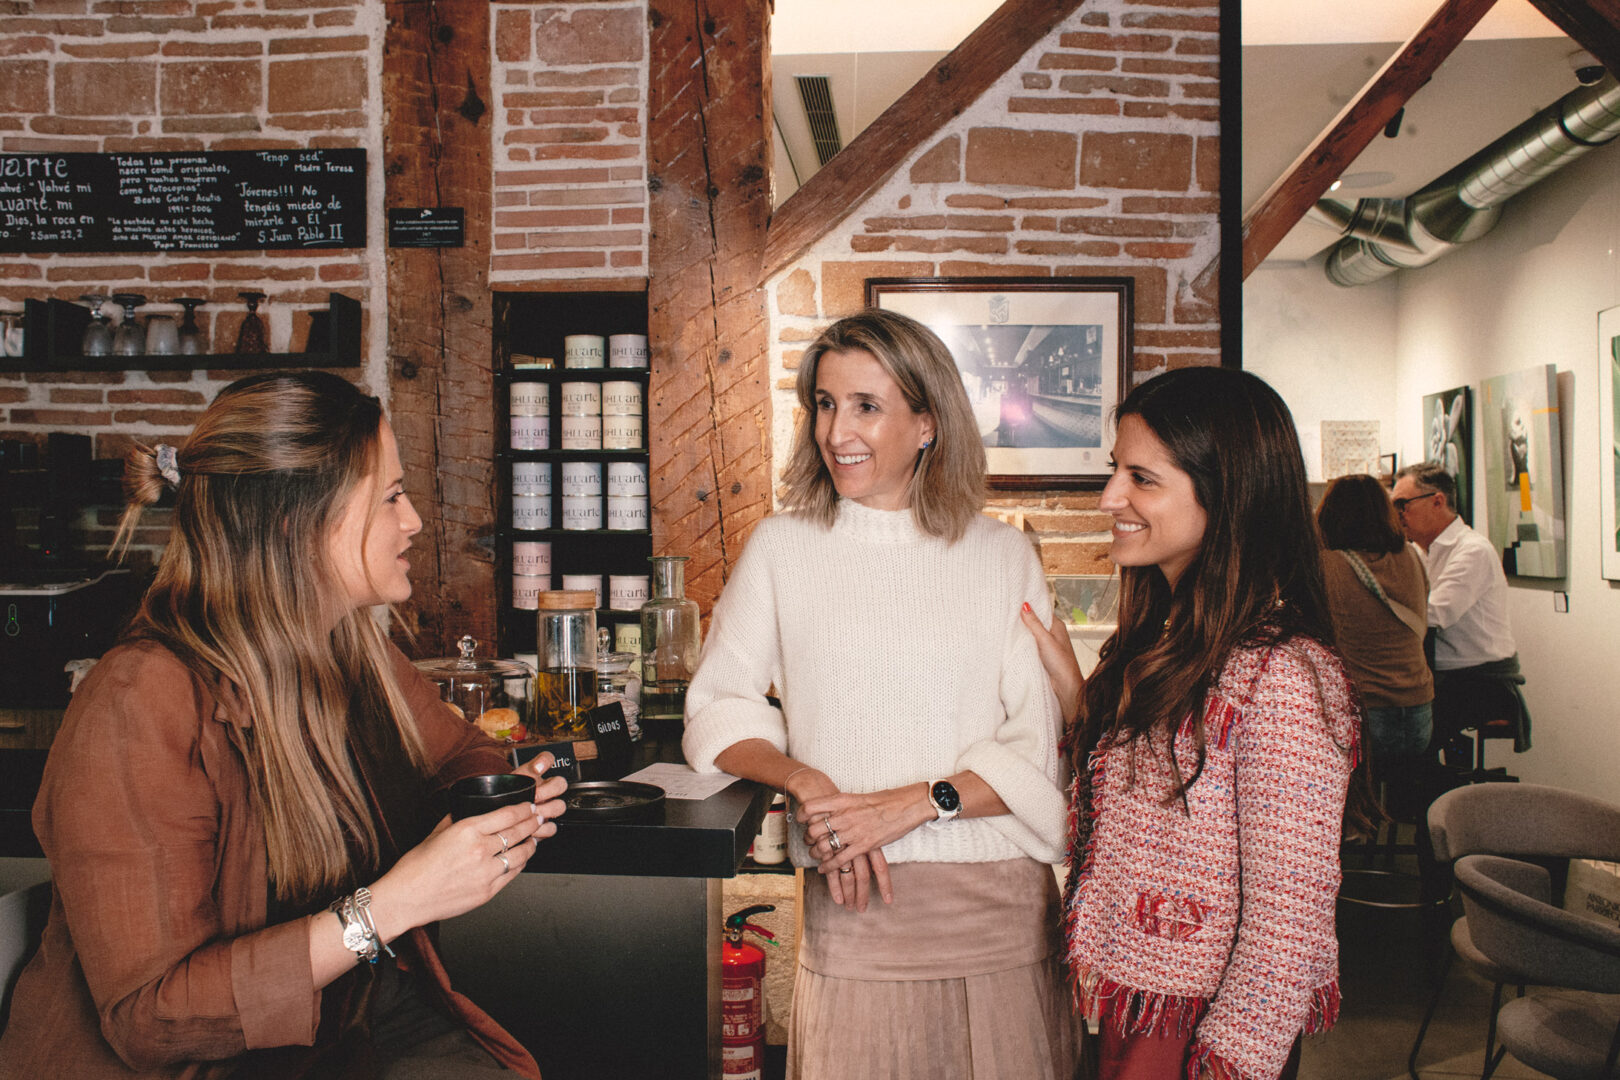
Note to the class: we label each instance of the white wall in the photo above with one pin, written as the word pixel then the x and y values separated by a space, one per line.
pixel 1527 293
pixel 1329 351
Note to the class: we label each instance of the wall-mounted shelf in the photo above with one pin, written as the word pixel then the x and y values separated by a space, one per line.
pixel 535 324
pixel 55 328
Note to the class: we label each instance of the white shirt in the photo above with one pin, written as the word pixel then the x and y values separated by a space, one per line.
pixel 898 658
pixel 1467 600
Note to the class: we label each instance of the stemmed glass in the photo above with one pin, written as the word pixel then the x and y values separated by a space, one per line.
pixel 129 339
pixel 191 339
pixel 250 338
pixel 98 336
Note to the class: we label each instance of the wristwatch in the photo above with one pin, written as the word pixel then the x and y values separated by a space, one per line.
pixel 946 802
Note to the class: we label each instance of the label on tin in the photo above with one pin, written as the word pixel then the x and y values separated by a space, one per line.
pixel 582 433
pixel 531 432
pixel 626 513
pixel 531 511
pixel 619 432
pixel 582 512
pixel 582 478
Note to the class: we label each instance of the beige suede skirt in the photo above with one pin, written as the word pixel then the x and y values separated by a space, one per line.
pixel 961 977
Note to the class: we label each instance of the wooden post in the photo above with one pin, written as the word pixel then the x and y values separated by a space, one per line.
pixel 437 139
pixel 709 179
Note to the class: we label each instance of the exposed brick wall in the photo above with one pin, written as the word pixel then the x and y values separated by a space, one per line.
pixel 570 170
pixel 1097 155
pixel 88 76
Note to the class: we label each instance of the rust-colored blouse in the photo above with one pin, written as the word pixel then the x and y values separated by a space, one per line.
pixel 157 960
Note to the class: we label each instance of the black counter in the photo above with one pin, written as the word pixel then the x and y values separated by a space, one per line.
pixel 20 772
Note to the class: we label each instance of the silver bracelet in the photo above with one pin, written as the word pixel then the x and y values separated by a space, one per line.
pixel 362 904
pixel 788 811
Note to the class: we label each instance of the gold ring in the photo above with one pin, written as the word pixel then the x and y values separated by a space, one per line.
pixel 846 869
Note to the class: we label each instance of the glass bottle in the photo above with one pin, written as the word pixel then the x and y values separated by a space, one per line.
pixel 565 685
pixel 250 338
pixel 191 339
pixel 129 339
pixel 670 641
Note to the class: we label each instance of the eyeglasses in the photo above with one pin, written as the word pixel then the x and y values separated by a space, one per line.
pixel 1401 504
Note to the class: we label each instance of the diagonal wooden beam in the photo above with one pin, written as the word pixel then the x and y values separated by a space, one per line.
pixel 1594 24
pixel 1309 177
pixel 871 158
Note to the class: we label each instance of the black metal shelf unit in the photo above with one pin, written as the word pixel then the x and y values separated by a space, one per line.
pixel 535 324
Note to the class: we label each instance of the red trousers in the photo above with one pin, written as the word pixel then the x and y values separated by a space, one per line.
pixel 1156 1056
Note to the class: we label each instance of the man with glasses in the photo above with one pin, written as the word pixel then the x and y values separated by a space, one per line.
pixel 1476 664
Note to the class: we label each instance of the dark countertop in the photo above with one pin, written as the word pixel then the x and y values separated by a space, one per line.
pixel 20 771
pixel 706 839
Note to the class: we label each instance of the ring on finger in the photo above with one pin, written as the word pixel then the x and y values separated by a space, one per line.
pixel 846 869
pixel 833 841
pixel 502 838
pixel 501 855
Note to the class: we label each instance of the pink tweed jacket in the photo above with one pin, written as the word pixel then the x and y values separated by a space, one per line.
pixel 1220 913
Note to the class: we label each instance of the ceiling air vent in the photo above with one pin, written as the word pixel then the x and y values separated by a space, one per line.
pixel 816 94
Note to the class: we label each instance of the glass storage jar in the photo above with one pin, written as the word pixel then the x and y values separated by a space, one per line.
pixel 670 642
pixel 495 695
pixel 566 646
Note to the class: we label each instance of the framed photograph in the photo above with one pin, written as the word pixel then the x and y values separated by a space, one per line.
pixel 1448 438
pixel 1044 362
pixel 1524 477
pixel 1608 434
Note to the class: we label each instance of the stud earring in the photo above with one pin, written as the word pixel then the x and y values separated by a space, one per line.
pixel 927 444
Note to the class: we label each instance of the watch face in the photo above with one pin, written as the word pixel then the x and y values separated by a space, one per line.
pixel 945 796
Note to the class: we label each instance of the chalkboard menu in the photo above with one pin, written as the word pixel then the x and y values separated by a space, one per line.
pixel 231 200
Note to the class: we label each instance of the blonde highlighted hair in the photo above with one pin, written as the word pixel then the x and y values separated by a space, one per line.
pixel 947 486
pixel 246 591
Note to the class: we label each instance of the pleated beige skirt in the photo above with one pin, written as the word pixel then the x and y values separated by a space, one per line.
pixel 961 978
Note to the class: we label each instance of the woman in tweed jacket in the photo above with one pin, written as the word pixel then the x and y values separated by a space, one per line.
pixel 1213 747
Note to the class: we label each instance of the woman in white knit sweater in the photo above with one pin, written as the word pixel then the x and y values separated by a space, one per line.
pixel 917 737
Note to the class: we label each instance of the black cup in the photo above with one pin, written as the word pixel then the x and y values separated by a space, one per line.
pixel 476 795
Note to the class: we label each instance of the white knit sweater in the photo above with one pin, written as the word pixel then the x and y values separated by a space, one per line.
pixel 898 658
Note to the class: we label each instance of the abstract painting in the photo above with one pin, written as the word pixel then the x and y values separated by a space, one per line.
pixel 1608 448
pixel 1524 470
pixel 1448 438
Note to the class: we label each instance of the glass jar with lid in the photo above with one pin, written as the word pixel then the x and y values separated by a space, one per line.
pixel 616 681
pixel 565 686
pixel 495 695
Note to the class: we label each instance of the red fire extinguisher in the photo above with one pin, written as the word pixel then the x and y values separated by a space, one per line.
pixel 742 997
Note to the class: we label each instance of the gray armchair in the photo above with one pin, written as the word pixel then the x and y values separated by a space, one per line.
pixel 1523 820
pixel 1572 1032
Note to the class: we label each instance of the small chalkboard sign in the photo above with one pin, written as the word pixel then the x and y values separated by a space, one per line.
pixel 611 732
pixel 563 753
pixel 426 227
pixel 224 200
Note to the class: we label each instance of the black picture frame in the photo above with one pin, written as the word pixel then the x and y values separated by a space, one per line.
pixel 1044 360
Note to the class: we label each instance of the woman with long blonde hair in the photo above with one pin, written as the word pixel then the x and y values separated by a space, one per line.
pixel 240 807
pixel 917 737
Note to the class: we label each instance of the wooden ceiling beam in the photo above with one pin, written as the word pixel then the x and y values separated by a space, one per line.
pixel 1332 152
pixel 950 86
pixel 1594 24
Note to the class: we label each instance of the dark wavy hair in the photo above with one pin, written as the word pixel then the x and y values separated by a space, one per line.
pixel 1256 578
pixel 1356 515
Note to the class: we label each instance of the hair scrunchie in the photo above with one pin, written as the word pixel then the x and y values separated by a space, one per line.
pixel 168 463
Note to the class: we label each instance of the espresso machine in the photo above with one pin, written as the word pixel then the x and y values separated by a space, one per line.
pixel 58 601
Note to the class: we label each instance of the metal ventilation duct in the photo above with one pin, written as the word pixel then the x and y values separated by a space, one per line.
pixel 816 94
pixel 1386 235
